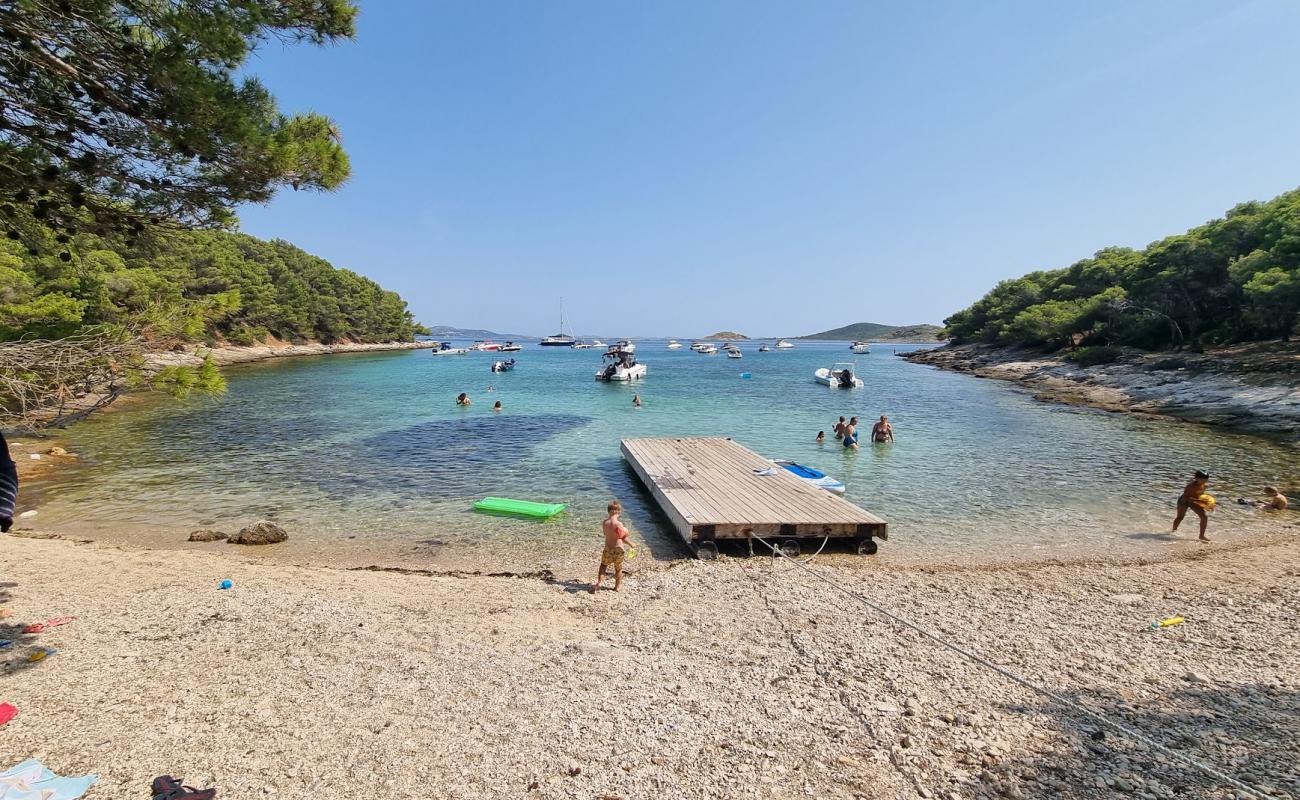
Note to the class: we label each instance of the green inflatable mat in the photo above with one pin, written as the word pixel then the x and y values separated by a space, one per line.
pixel 504 505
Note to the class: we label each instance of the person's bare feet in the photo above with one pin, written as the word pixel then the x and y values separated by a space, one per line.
pixel 1205 538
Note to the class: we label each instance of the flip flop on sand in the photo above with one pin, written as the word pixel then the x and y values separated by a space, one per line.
pixel 7 712
pixel 38 627
pixel 165 787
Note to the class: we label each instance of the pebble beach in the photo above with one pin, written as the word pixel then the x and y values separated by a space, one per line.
pixel 733 678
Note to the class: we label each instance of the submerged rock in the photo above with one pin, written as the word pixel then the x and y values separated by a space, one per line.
pixel 206 535
pixel 260 532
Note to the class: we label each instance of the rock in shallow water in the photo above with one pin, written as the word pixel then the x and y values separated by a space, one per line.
pixel 260 532
pixel 206 535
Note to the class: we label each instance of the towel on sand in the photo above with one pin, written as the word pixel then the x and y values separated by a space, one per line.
pixel 30 780
pixel 8 485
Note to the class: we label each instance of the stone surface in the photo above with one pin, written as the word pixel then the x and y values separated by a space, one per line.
pixel 260 532
pixel 207 535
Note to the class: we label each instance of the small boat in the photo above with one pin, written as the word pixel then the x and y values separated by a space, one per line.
pixel 762 348
pixel 622 365
pixel 503 366
pixel 707 349
pixel 782 344
pixel 673 344
pixel 841 375
pixel 733 351
pixel 860 347
pixel 594 343
pixel 485 345
pixel 814 476
pixel 445 349
pixel 696 345
pixel 624 344
pixel 511 347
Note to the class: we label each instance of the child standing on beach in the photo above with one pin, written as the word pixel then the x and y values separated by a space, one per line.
pixel 616 544
pixel 1191 498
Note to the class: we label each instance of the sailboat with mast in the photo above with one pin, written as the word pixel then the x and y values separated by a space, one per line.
pixel 560 339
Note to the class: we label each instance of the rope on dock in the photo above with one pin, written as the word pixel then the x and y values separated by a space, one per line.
pixel 1130 732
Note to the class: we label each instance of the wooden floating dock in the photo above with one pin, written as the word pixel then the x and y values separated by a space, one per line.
pixel 709 489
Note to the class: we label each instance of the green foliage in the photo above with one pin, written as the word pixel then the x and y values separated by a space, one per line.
pixel 182 381
pixel 1092 356
pixel 119 114
pixel 1232 279
pixel 194 286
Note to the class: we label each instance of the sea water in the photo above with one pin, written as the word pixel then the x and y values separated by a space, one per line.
pixel 366 458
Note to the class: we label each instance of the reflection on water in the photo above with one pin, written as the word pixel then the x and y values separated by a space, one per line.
pixel 371 451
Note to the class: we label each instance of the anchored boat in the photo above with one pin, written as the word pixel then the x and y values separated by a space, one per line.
pixel 782 344
pixel 622 366
pixel 445 349
pixel 860 347
pixel 841 375
pixel 511 347
pixel 503 366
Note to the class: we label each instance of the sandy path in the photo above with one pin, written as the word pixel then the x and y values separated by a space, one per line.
pixel 726 679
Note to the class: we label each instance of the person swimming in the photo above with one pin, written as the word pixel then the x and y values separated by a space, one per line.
pixel 462 399
pixel 839 428
pixel 821 436
pixel 636 401
pixel 496 406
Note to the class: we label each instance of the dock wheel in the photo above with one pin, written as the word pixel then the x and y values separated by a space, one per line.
pixel 789 548
pixel 706 550
pixel 867 547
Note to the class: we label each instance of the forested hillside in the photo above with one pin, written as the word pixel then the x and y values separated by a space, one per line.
pixel 876 332
pixel 1231 280
pixel 192 286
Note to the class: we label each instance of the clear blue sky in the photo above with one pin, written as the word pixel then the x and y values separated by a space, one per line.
pixel 774 167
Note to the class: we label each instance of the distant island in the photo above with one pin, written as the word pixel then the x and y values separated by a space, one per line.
pixel 452 332
pixel 876 332
pixel 739 337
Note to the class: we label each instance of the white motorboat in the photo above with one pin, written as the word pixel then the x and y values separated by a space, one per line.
pixel 707 349
pixel 622 365
pixel 696 345
pixel 445 349
pixel 625 344
pixel 733 351
pixel 503 366
pixel 762 348
pixel 673 344
pixel 814 476
pixel 860 347
pixel 594 343
pixel 486 345
pixel 511 347
pixel 841 375
pixel 782 344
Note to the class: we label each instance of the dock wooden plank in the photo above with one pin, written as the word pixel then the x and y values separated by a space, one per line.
pixel 709 488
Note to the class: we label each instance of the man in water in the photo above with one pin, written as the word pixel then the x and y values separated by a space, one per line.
pixel 496 406
pixel 882 431
pixel 8 486
pixel 839 428
pixel 616 544
pixel 462 399
pixel 851 434
pixel 1191 499
pixel 636 401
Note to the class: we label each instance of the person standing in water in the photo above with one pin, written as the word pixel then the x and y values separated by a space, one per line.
pixel 616 544
pixel 496 406
pixel 462 399
pixel 882 431
pixel 636 401
pixel 821 436
pixel 1191 499
pixel 851 434
pixel 839 428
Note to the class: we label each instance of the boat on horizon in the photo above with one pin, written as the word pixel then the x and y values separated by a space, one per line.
pixel 706 348
pixel 588 345
pixel 861 348
pixel 673 344
pixel 511 347
pixel 841 375
pixel 622 365
pixel 560 339
pixel 762 348
pixel 782 344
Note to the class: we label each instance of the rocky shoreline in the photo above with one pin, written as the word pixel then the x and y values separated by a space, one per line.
pixel 227 355
pixel 732 678
pixel 1249 388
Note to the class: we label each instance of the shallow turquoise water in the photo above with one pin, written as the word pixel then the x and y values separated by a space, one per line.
pixel 368 456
